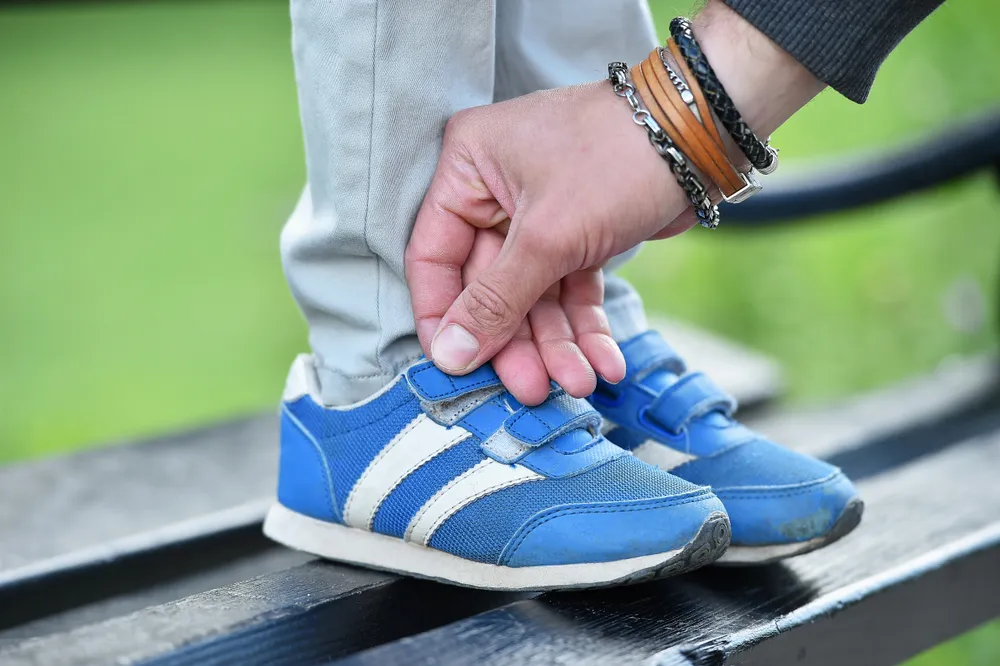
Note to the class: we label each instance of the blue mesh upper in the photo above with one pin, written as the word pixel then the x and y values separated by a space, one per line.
pixel 480 530
pixel 401 505
pixel 351 438
pixel 756 463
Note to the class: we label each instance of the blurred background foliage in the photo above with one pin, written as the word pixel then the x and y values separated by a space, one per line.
pixel 149 153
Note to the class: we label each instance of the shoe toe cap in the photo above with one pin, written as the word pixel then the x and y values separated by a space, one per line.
pixel 604 532
pixel 773 495
pixel 789 513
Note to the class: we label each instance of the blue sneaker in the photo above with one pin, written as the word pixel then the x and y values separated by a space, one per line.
pixel 450 478
pixel 781 503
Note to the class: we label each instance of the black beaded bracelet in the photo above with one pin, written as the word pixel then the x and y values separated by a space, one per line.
pixel 762 156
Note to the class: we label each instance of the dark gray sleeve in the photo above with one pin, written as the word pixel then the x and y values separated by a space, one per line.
pixel 842 42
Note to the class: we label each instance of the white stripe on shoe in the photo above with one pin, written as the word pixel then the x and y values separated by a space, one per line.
pixel 421 440
pixel 485 478
pixel 653 453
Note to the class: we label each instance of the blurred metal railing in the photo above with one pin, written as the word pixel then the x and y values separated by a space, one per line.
pixel 856 182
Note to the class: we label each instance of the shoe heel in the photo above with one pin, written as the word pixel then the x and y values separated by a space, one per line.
pixel 303 473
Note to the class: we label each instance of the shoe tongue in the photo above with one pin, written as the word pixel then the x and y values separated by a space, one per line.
pixel 661 379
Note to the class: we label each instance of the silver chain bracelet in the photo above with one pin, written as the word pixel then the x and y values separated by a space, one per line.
pixel 707 213
pixel 682 88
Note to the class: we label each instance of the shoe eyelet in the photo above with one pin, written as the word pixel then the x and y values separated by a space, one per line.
pixel 650 424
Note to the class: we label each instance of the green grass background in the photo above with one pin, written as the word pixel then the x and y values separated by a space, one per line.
pixel 149 153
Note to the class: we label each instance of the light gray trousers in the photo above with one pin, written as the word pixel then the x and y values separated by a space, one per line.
pixel 377 81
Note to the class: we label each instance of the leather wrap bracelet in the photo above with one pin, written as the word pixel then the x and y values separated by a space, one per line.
pixel 683 127
pixel 695 127
pixel 761 156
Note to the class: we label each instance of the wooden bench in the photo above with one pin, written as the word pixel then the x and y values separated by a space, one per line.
pixel 151 553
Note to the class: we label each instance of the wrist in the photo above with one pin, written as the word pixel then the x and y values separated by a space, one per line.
pixel 766 84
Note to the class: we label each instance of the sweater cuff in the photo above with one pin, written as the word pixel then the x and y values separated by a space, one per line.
pixel 842 42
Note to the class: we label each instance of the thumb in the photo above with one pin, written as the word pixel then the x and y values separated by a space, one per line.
pixel 488 312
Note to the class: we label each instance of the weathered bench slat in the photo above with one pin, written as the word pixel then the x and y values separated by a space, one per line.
pixel 177 582
pixel 958 579
pixel 910 406
pixel 88 510
pixel 306 614
pixel 124 566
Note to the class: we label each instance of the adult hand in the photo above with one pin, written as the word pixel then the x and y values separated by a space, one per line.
pixel 575 183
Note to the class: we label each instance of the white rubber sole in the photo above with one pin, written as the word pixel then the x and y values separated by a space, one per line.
pixel 749 555
pixel 378 551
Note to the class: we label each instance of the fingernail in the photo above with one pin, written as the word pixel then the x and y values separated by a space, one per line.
pixel 498 217
pixel 606 379
pixel 454 348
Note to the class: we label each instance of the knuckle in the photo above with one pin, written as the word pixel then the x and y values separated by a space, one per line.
pixel 487 307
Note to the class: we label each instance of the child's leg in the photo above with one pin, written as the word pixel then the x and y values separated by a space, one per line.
pixel 377 81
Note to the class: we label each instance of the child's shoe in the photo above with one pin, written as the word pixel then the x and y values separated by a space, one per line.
pixel 781 503
pixel 450 478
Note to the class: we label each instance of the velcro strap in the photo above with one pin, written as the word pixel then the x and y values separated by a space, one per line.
pixel 537 425
pixel 433 385
pixel 691 397
pixel 650 351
